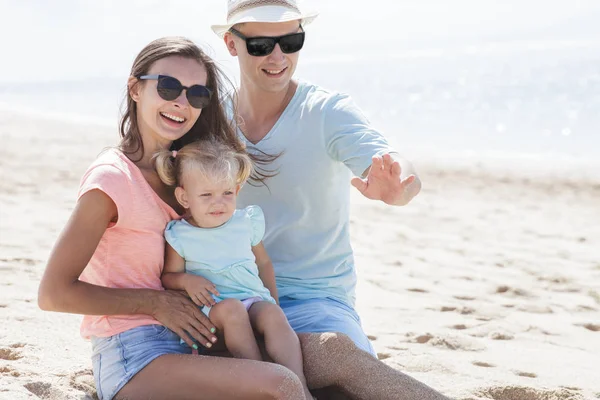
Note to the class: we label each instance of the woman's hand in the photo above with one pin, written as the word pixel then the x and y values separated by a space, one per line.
pixel 200 290
pixel 178 313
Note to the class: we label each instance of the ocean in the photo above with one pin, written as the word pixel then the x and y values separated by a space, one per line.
pixel 492 78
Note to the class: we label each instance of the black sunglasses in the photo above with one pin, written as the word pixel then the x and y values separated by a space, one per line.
pixel 169 89
pixel 261 46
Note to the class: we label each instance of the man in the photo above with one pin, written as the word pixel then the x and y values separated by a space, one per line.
pixel 320 137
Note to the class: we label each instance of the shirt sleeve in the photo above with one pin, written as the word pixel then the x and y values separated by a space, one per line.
pixel 257 223
pixel 114 183
pixel 171 237
pixel 349 136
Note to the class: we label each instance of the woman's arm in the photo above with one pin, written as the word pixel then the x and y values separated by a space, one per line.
pixel 265 269
pixel 61 290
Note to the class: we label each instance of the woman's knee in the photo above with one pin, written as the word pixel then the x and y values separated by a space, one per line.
pixel 280 383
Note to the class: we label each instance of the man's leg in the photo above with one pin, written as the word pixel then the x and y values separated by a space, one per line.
pixel 333 360
pixel 326 315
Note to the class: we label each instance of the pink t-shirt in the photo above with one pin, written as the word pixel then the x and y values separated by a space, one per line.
pixel 131 251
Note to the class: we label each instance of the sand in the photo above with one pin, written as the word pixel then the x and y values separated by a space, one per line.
pixel 486 287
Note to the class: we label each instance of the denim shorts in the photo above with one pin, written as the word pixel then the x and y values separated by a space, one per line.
pixel 325 315
pixel 116 359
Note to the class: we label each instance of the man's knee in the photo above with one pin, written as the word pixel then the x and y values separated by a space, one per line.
pixel 327 343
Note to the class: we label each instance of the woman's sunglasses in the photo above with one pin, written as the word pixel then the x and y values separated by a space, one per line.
pixel 169 89
pixel 264 45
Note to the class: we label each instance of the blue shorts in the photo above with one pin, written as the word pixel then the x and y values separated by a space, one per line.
pixel 325 315
pixel 116 359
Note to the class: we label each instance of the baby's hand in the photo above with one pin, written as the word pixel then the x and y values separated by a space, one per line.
pixel 199 289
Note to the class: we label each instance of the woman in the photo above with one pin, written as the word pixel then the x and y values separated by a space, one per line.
pixel 107 262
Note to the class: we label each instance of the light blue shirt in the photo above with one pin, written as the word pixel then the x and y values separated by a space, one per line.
pixel 324 138
pixel 223 255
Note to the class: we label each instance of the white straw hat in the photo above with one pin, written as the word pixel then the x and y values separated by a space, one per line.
pixel 240 11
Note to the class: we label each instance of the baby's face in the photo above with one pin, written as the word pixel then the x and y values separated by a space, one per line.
pixel 211 204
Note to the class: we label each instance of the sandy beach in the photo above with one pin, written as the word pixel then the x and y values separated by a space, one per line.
pixel 487 286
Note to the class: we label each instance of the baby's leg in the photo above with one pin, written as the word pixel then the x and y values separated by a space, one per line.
pixel 281 342
pixel 231 318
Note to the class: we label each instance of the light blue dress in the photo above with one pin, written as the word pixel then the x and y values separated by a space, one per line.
pixel 223 255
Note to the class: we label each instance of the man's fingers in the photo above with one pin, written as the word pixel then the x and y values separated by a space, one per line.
pixel 387 162
pixel 409 180
pixel 396 170
pixel 358 183
pixel 376 163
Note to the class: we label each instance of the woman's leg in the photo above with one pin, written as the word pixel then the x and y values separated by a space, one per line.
pixel 281 342
pixel 332 359
pixel 231 318
pixel 176 376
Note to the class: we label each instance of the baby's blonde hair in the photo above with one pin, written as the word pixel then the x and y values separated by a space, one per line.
pixel 212 159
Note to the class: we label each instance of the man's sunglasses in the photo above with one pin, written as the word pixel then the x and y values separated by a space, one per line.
pixel 169 89
pixel 261 46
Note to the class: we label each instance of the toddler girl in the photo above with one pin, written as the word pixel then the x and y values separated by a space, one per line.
pixel 215 252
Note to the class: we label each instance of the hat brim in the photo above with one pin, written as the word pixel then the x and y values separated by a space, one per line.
pixel 269 14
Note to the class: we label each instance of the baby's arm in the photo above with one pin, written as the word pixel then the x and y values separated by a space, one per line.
pixel 265 269
pixel 174 277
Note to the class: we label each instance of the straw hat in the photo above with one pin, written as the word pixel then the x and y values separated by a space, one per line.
pixel 239 11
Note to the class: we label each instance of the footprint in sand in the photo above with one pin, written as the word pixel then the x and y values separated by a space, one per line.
pixel 372 337
pixel 535 309
pixel 500 336
pixel 526 393
pixel 525 374
pixel 9 354
pixel 571 388
pixel 383 356
pixel 84 381
pixel 503 289
pixel 9 371
pixel 398 348
pixel 44 390
pixel 450 342
pixel 459 327
pixel 590 327
pixel 417 290
pixel 447 309
pixel 465 298
pixel 579 308
pixel 462 310
pixel 483 364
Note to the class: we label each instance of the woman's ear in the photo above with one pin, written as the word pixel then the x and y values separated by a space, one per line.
pixel 181 197
pixel 134 88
